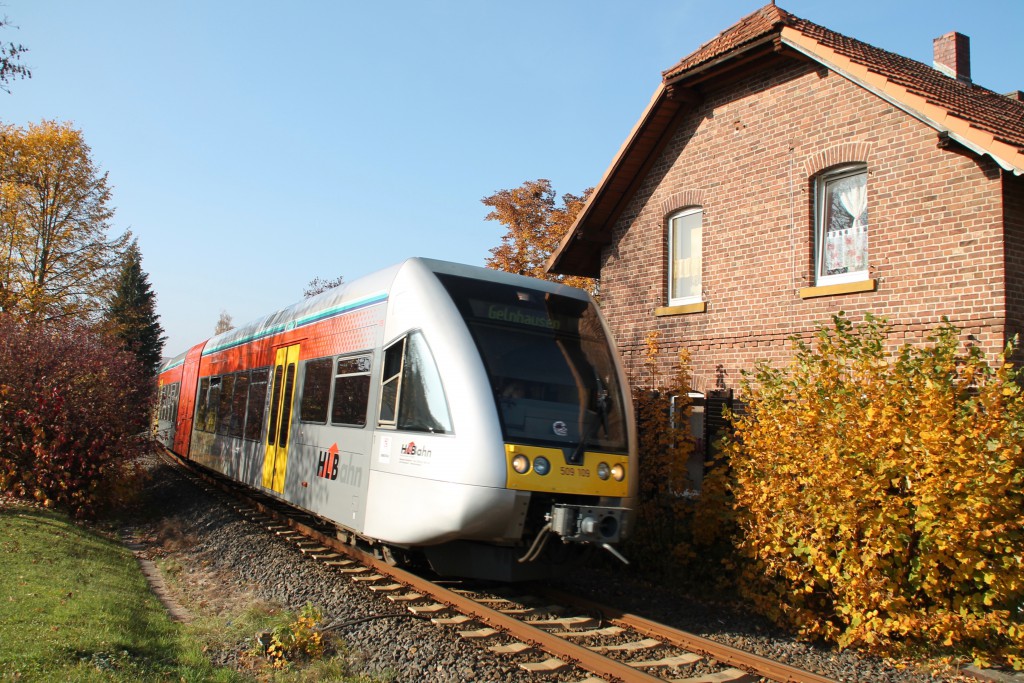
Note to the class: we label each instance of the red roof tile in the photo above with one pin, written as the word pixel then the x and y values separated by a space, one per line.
pixel 763 22
pixel 1001 116
pixel 997 114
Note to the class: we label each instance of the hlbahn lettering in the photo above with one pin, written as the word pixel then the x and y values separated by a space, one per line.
pixel 330 466
pixel 411 449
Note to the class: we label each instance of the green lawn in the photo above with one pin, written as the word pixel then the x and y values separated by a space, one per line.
pixel 75 607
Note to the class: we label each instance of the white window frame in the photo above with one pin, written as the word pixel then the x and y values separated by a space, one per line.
pixel 672 226
pixel 821 187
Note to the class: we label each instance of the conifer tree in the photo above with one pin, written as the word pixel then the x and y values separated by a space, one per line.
pixel 132 315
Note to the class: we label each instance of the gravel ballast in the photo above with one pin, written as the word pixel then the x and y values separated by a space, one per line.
pixel 212 543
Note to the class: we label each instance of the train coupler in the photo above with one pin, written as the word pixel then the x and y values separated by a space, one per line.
pixel 579 524
pixel 600 526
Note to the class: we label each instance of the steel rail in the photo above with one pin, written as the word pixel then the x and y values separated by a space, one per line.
pixel 562 649
pixel 762 666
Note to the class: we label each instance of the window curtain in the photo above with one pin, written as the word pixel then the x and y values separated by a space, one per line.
pixel 686 256
pixel 846 233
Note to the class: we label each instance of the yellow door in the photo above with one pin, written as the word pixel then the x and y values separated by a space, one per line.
pixel 281 396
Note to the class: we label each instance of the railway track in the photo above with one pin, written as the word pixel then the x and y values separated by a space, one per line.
pixel 554 633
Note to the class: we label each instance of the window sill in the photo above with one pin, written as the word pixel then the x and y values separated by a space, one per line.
pixel 686 309
pixel 844 288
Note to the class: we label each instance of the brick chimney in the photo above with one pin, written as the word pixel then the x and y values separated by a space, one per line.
pixel 952 56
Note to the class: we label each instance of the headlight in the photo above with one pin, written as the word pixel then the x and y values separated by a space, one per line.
pixel 541 465
pixel 618 472
pixel 521 464
pixel 603 470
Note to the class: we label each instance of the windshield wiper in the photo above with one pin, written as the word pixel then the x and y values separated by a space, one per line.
pixel 576 458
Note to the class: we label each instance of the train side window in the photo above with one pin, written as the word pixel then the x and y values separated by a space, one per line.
pixel 351 391
pixel 204 404
pixel 257 405
pixel 391 378
pixel 238 405
pixel 422 405
pixel 316 390
pixel 212 406
pixel 412 397
pixel 227 386
pixel 171 412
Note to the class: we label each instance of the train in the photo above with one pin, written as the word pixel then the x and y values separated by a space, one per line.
pixel 474 420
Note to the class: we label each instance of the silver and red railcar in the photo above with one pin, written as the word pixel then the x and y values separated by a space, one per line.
pixel 474 417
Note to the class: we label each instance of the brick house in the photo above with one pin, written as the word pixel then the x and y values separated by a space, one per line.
pixel 784 172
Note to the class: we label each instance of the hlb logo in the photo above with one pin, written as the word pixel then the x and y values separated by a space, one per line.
pixel 330 467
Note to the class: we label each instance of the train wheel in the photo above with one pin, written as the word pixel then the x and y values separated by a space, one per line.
pixel 387 554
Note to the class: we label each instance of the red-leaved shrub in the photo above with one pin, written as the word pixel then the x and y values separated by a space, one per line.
pixel 73 414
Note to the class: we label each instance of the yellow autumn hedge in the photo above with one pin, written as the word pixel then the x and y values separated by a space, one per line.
pixel 660 544
pixel 880 497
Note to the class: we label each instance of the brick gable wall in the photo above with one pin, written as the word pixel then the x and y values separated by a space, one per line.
pixel 748 152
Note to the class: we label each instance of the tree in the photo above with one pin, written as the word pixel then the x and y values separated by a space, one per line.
pixel 10 54
pixel 535 227
pixel 223 323
pixel 57 261
pixel 131 314
pixel 319 285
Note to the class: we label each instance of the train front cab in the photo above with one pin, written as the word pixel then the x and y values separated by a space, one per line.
pixel 554 390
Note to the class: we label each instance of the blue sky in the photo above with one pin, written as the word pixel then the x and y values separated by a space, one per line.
pixel 252 146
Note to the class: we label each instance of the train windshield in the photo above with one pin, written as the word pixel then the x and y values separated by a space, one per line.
pixel 549 362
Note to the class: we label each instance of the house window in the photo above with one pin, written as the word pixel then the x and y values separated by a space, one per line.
pixel 841 226
pixel 695 463
pixel 684 256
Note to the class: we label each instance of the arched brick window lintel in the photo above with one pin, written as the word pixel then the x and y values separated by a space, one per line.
pixel 681 200
pixel 846 153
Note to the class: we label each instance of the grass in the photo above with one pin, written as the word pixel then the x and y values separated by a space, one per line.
pixel 74 606
pixel 222 627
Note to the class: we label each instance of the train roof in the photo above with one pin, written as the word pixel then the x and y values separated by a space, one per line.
pixel 362 292
pixel 174 362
